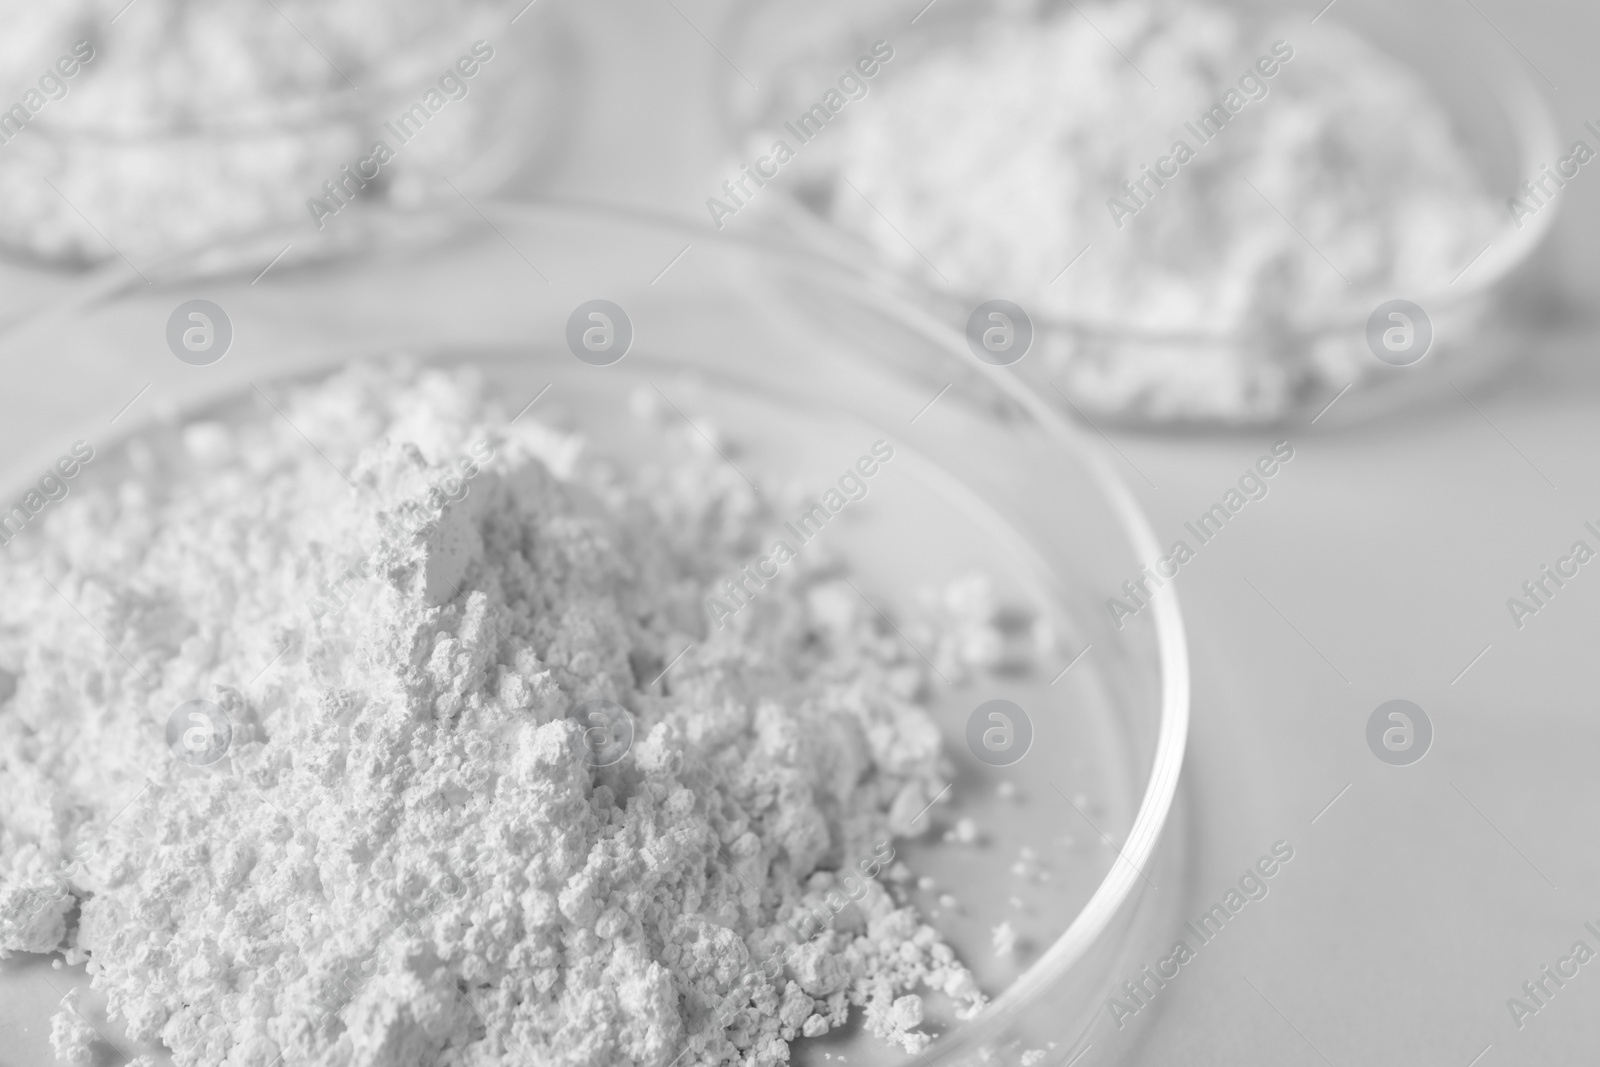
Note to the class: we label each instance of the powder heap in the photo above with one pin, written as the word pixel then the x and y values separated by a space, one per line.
pixel 989 163
pixel 408 855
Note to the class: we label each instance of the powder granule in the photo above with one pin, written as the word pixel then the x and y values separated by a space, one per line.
pixel 405 858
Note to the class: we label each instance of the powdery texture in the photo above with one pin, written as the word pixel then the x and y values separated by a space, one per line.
pixel 403 859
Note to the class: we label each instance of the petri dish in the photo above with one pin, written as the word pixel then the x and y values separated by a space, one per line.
pixel 508 130
pixel 793 52
pixel 994 482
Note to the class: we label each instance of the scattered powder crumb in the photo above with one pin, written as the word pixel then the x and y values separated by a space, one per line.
pixel 71 1037
pixel 1004 939
pixel 965 832
pixel 926 884
pixel 909 803
pixel 906 1013
pixel 404 856
pixel 1027 864
pixel 971 630
pixel 1006 790
pixel 948 900
pixel 1032 1056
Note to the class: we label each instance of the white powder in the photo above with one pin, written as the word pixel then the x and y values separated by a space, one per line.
pixel 403 857
pixel 995 157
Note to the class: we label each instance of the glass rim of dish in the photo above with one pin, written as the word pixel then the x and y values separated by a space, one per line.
pixel 1121 887
pixel 89 283
pixel 305 111
pixel 1531 119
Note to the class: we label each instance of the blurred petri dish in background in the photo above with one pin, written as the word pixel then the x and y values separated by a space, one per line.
pixel 1215 309
pixel 206 136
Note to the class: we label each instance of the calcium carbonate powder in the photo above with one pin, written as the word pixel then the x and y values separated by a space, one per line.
pixel 374 727
pixel 1219 178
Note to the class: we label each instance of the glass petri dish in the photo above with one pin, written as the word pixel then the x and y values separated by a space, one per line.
pixel 242 203
pixel 791 52
pixel 995 482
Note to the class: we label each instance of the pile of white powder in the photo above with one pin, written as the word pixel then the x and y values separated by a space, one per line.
pixel 988 164
pixel 397 596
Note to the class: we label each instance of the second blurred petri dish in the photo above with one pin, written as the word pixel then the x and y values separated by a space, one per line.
pixel 1147 330
pixel 110 194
